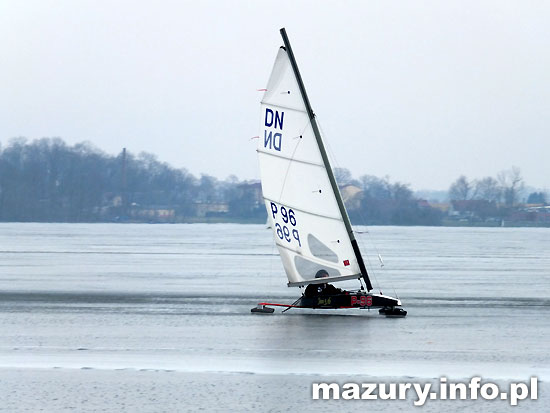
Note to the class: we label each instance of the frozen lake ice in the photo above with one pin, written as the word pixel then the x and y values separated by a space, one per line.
pixel 152 315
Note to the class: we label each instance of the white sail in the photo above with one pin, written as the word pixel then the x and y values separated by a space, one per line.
pixel 308 226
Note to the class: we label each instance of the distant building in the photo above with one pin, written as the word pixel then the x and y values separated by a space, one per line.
pixel 473 209
pixel 422 203
pixel 351 196
pixel 442 206
pixel 203 209
pixel 253 189
pixel 538 214
pixel 152 213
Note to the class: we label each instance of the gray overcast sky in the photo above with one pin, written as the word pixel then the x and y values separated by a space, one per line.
pixel 422 91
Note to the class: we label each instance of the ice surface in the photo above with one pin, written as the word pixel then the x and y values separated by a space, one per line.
pixel 121 307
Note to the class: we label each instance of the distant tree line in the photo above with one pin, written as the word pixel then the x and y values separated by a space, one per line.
pixel 382 202
pixel 491 197
pixel 506 188
pixel 48 180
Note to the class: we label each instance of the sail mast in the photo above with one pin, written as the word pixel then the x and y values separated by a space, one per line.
pixel 331 178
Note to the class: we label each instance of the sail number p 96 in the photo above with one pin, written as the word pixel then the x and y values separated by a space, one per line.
pixel 289 232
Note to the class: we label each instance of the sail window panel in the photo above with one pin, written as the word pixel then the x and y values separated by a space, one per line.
pixel 303 186
pixel 320 250
pixel 307 268
pixel 306 272
pixel 282 87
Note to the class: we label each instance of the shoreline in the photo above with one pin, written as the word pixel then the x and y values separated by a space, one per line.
pixel 215 221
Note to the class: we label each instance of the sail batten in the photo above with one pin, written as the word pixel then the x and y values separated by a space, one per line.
pixel 337 218
pixel 289 158
pixel 309 220
pixel 323 280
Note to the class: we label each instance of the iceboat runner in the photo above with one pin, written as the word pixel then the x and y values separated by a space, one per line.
pixel 311 226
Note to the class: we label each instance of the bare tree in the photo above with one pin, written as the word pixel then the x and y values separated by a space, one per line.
pixel 343 176
pixel 377 188
pixel 461 189
pixel 511 184
pixel 488 189
pixel 232 179
pixel 401 192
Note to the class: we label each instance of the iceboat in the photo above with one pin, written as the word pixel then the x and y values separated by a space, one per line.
pixel 311 226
